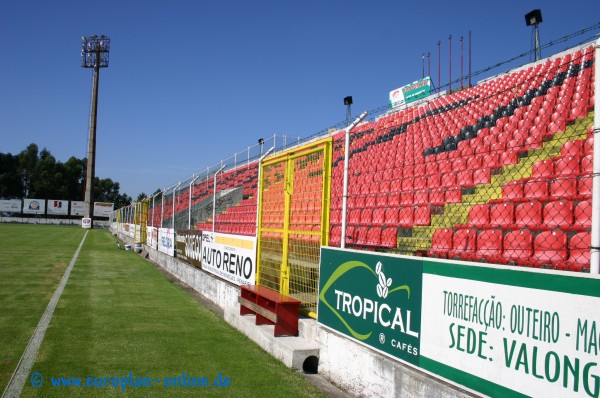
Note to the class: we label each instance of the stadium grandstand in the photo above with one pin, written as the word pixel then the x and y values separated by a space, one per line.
pixel 500 172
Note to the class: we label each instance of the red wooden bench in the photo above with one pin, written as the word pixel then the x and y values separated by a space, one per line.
pixel 270 308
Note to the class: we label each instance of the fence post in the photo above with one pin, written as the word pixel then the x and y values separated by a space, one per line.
pixel 162 207
pixel 595 236
pixel 215 195
pixel 190 202
pixel 258 185
pixel 173 215
pixel 346 167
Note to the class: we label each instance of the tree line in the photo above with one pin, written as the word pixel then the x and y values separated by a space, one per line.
pixel 37 174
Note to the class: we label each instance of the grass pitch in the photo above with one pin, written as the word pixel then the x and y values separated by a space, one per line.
pixel 121 318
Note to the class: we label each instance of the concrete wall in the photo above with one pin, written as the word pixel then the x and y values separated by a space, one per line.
pixel 364 373
pixel 355 369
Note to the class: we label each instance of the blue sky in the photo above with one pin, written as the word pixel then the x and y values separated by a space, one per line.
pixel 192 82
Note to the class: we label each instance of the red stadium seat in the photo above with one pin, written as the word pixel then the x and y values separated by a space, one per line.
pixel 512 191
pixel 389 237
pixel 517 247
pixel 572 148
pixel 422 215
pixel 361 236
pixel 489 245
pixel 550 248
pixel 354 217
pixel 406 198
pixel 378 216
pixel 502 215
pixel 366 216
pixel 567 165
pixel 437 196
pixel 543 168
pixel 584 187
pixel 335 236
pixel 528 215
pixel 421 197
pixel 579 248
pixel 509 157
pixel 463 244
pixel 492 160
pixel 536 189
pixel 583 216
pixel 563 188
pixel 406 216
pixel 391 216
pixel 558 214
pixel 464 178
pixel 587 165
pixel 453 195
pixel 441 243
pixel 482 176
pixel 479 217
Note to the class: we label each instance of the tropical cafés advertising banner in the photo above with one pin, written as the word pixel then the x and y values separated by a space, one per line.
pixel 500 331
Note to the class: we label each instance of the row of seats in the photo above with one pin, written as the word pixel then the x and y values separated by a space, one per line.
pixel 562 214
pixel 520 247
pixel 365 237
pixel 543 189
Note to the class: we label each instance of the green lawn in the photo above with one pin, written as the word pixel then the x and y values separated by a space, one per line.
pixel 33 259
pixel 119 315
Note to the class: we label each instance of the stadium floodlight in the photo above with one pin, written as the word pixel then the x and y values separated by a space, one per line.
pixel 261 142
pixel 534 18
pixel 348 103
pixel 94 54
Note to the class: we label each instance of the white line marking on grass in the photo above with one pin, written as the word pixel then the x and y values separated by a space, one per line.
pixel 19 377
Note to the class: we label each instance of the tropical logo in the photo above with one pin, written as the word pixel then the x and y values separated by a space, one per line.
pixel 381 313
pixel 374 299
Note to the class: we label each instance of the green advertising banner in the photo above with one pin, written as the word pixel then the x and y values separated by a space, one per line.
pixel 411 92
pixel 500 331
pixel 373 299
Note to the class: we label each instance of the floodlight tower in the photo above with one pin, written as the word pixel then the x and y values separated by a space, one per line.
pixel 94 54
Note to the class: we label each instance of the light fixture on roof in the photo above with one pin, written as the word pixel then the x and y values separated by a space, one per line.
pixel 261 142
pixel 348 103
pixel 534 18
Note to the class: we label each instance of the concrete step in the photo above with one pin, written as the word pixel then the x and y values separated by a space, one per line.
pixel 294 352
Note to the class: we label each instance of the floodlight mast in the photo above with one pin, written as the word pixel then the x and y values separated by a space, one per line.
pixel 94 54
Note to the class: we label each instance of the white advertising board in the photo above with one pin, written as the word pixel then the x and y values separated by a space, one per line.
pixel 152 237
pixel 10 205
pixel 77 208
pixel 166 241
pixel 230 257
pixel 34 206
pixel 103 209
pixel 58 207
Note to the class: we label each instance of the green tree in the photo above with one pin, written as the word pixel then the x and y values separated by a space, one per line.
pixel 107 190
pixel 27 161
pixel 10 183
pixel 37 174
